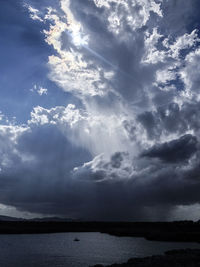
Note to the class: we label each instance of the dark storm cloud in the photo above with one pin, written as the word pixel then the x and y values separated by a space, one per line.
pixel 171 118
pixel 174 151
pixel 38 178
pixel 161 184
pixel 37 175
pixel 154 185
pixel 116 160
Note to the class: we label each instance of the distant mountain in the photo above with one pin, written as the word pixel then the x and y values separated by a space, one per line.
pixel 52 219
pixel 10 219
pixel 46 219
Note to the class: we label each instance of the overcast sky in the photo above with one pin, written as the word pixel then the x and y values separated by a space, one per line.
pixel 100 109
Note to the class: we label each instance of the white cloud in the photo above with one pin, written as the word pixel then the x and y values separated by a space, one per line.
pixel 39 89
pixel 98 133
pixel 42 91
pixel 190 76
pixel 73 74
pixel 166 75
pixel 134 14
pixel 7 210
pixel 8 140
pixel 69 69
pixel 191 212
pixel 118 167
pixel 1 116
pixel 185 41
pixel 152 55
pixel 34 13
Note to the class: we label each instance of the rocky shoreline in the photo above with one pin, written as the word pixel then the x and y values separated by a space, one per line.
pixel 173 258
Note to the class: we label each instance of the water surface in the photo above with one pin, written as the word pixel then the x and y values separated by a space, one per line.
pixel 60 250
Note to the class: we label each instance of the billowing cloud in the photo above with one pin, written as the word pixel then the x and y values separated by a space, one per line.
pixel 128 143
pixel 174 151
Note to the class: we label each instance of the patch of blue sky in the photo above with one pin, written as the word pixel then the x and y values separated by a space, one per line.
pixel 24 56
pixel 184 52
pixel 177 83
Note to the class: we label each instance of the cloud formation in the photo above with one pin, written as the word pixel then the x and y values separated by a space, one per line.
pixel 128 147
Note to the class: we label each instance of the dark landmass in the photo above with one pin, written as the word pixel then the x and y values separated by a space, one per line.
pixel 8 218
pixel 51 219
pixel 173 258
pixel 180 231
pixel 44 219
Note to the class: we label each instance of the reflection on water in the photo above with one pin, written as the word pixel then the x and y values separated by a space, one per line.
pixel 60 250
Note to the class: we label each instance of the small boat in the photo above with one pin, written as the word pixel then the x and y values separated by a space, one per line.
pixel 76 239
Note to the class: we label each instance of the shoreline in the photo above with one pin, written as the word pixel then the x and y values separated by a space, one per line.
pixel 182 231
pixel 172 258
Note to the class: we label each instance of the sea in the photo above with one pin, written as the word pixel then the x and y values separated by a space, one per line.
pixel 61 250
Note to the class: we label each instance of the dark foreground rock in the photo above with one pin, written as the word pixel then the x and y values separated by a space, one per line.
pixel 173 258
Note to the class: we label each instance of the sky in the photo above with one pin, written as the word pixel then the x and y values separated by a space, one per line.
pixel 99 109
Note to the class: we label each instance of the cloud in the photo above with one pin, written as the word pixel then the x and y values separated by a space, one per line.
pixel 34 13
pixel 174 151
pixel 128 14
pixel 128 142
pixel 39 89
pixel 49 174
pixel 91 131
